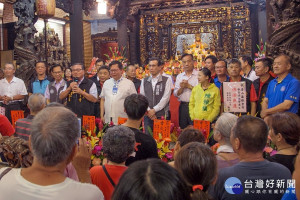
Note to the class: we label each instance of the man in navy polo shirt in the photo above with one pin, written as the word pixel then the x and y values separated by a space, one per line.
pixel 221 73
pixel 283 93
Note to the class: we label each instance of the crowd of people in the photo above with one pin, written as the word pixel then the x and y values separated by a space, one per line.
pixel 270 88
pixel 61 159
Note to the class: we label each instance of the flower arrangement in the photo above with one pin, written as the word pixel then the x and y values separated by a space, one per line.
pixel 117 54
pixel 262 47
pixel 215 147
pixel 141 73
pixel 96 140
pixel 92 70
pixel 270 149
pixel 164 152
pixel 172 67
pixel 164 145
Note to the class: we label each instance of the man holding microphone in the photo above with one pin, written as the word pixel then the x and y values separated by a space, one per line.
pixel 81 93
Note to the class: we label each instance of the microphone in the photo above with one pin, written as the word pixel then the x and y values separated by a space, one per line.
pixel 76 80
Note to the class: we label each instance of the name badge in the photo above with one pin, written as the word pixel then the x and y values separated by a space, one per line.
pixel 114 90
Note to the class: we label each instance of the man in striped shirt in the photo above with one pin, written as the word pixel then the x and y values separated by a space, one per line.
pixel 36 103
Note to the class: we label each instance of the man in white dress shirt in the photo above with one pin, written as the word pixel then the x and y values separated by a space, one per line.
pixel 12 90
pixel 248 71
pixel 113 94
pixel 183 89
pixel 157 89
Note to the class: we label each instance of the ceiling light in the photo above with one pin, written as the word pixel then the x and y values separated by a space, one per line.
pixel 102 7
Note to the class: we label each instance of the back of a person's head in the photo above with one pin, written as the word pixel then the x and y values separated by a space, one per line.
pixel 136 106
pixel 247 59
pixel 54 132
pixel 54 104
pixel 288 125
pixel 118 143
pixel 213 58
pixel 190 135
pixel 151 179
pixel 36 102
pixel 224 125
pixel 198 166
pixel 252 133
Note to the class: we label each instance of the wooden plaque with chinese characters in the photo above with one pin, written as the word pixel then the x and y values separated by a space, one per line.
pixel 161 127
pixel 15 115
pixel 203 126
pixel 88 122
pixel 121 120
pixel 234 95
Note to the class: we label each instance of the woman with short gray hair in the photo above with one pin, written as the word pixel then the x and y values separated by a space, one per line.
pixel 118 144
pixel 226 157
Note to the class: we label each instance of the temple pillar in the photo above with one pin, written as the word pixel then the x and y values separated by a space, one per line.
pixel 76 33
pixel 254 27
pixel 134 40
pixel 121 17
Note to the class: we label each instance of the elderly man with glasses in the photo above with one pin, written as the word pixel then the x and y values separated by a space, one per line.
pixel 12 91
pixel 113 94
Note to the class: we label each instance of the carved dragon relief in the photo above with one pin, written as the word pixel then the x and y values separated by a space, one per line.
pixel 28 48
pixel 24 42
pixel 285 37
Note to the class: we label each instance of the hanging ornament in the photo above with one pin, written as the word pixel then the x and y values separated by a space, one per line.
pixel 45 8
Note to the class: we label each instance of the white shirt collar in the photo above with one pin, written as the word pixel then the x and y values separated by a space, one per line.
pixel 80 81
pixel 59 81
pixel 225 148
pixel 117 81
pixel 193 73
pixel 13 80
pixel 155 78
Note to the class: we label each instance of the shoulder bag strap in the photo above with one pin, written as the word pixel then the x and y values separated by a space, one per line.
pixel 108 176
pixel 5 172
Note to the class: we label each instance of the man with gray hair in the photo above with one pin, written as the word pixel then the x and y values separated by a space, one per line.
pixel 53 144
pixel 36 103
pixel 12 90
pixel 248 138
pixel 222 129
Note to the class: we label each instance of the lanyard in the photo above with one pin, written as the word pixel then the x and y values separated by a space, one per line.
pixel 116 85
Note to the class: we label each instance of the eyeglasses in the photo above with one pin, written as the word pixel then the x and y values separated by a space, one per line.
pixel 76 70
pixel 113 70
pixel 57 72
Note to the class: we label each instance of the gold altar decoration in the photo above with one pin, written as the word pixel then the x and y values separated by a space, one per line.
pixel 229 25
pixel 198 49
